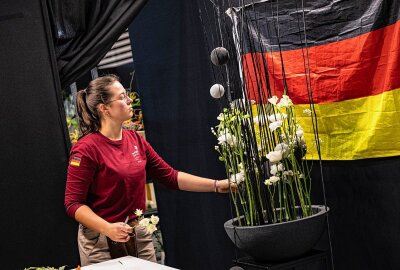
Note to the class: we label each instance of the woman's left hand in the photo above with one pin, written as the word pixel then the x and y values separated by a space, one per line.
pixel 224 185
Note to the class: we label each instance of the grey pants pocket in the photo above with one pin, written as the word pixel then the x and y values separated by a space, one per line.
pixel 93 247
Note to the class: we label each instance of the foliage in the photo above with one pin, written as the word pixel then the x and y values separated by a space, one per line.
pixel 73 128
pixel 137 117
pixel 46 268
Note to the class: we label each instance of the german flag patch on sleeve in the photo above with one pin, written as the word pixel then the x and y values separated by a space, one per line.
pixel 75 161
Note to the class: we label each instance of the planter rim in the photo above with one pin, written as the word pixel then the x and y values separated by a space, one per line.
pixel 323 210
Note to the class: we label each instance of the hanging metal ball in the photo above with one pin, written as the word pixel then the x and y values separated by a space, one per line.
pixel 219 56
pixel 236 268
pixel 217 91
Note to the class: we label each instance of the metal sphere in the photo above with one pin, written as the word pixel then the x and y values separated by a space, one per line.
pixel 217 91
pixel 219 56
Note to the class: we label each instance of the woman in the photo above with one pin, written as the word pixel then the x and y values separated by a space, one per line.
pixel 107 175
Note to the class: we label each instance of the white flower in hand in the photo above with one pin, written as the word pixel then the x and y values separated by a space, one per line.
pixel 154 219
pixel 274 156
pixel 150 223
pixel 144 222
pixel 151 228
pixel 138 212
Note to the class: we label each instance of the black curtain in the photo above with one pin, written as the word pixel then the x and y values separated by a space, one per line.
pixel 35 230
pixel 84 31
pixel 173 75
pixel 364 206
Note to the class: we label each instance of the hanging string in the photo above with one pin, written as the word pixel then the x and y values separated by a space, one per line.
pixel 314 120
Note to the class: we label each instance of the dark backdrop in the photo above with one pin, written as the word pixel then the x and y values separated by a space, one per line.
pixel 34 228
pixel 363 198
pixel 173 74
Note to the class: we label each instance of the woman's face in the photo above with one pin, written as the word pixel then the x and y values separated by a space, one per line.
pixel 119 107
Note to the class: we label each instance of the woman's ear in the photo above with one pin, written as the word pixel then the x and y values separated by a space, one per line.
pixel 102 109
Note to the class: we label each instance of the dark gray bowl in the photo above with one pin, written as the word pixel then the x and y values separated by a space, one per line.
pixel 279 241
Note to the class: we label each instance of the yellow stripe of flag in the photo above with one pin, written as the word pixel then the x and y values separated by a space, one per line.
pixel 367 127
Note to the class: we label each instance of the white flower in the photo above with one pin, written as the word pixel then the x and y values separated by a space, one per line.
pixel 277 168
pixel 138 212
pixel 144 222
pixel 221 117
pixel 288 173
pixel 299 133
pixel 274 125
pixel 274 169
pixel 307 112
pixel 277 117
pixel 151 228
pixel 273 100
pixel 285 102
pixel 227 138
pixel 237 178
pixel 283 148
pixel 280 167
pixel 270 181
pixel 274 156
pixel 154 219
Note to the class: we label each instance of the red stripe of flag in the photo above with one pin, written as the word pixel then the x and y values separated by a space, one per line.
pixel 362 66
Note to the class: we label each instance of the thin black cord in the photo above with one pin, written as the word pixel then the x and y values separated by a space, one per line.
pixel 315 129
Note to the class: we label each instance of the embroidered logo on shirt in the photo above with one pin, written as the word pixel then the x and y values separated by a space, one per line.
pixel 135 154
pixel 75 161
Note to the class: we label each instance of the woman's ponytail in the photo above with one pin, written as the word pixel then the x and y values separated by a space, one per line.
pixel 87 101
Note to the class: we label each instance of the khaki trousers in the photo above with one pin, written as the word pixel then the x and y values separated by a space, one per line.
pixel 93 246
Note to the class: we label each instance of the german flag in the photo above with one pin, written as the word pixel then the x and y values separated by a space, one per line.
pixel 75 161
pixel 345 53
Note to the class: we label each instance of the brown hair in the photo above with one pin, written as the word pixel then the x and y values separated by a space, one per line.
pixel 88 99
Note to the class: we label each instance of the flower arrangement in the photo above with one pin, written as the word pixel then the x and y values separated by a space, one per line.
pixel 263 149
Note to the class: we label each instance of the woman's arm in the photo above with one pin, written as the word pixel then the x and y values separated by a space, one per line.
pixel 189 182
pixel 118 232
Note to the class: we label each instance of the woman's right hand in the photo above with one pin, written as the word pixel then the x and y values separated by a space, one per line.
pixel 119 232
